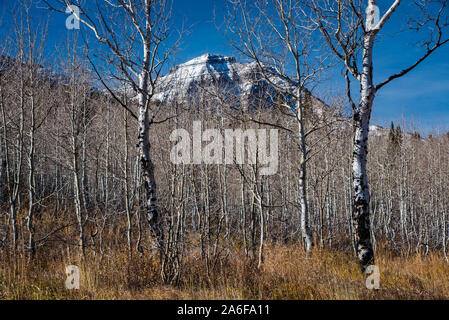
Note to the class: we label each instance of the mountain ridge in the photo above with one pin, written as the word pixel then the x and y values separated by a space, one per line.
pixel 208 70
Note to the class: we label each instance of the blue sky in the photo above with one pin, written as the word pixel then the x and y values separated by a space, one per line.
pixel 421 97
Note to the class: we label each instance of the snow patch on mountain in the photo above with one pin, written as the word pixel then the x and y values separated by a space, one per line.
pixel 208 72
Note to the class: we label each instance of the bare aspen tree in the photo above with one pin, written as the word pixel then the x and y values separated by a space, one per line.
pixel 126 181
pixel 4 153
pixel 14 171
pixel 75 70
pixel 351 34
pixel 34 46
pixel 145 22
pixel 71 182
pixel 2 158
pixel 259 31
pixel 3 68
pixel 84 145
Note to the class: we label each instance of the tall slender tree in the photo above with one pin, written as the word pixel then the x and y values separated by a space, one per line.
pixel 350 28
pixel 278 37
pixel 136 33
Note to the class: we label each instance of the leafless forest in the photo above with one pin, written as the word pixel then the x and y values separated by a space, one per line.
pixel 86 176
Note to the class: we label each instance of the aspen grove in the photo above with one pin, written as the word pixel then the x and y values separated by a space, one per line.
pixel 89 167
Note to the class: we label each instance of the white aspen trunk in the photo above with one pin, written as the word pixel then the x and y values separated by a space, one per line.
pixel 6 154
pixel 262 228
pixel 137 181
pixel 14 194
pixel 84 179
pixel 2 172
pixel 444 236
pixel 77 196
pixel 75 170
pixel 361 195
pixel 152 209
pixel 105 216
pixel 442 204
pixel 3 149
pixel 31 177
pixel 127 202
pixel 305 229
pixel 243 210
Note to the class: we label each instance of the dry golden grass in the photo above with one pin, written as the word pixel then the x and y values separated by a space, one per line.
pixel 287 273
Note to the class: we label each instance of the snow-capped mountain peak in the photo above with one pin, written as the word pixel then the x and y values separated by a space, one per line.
pixel 209 70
